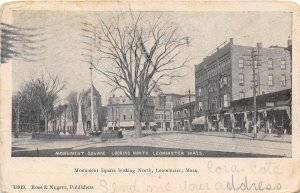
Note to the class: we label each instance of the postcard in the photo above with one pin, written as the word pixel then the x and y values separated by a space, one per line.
pixel 149 96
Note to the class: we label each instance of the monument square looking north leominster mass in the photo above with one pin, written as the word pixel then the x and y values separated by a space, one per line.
pixel 238 103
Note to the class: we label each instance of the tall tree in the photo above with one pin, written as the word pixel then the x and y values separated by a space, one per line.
pixel 136 55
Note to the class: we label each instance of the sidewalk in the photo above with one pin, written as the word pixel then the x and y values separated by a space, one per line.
pixel 260 136
pixel 272 137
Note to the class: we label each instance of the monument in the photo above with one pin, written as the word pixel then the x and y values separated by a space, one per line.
pixel 80 128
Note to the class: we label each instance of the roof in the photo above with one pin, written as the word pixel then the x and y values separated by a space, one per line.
pixel 279 98
pixel 186 105
pixel 273 96
pixel 95 91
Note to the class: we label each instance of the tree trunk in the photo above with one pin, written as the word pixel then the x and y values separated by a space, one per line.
pixel 137 121
pixel 46 124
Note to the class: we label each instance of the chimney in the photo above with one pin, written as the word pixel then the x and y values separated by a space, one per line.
pixel 259 45
pixel 289 42
pixel 231 41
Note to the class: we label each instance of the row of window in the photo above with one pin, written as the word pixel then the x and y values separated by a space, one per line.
pixel 213 103
pixel 117 109
pixel 212 87
pixel 183 113
pixel 221 67
pixel 270 79
pixel 122 116
pixel 241 62
pixel 161 116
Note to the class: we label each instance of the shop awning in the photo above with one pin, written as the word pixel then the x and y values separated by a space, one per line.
pixel 199 121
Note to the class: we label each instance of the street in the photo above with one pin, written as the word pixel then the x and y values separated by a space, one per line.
pixel 202 144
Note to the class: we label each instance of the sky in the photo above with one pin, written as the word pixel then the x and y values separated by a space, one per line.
pixel 206 31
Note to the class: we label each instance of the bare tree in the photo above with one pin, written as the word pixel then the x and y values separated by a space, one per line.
pixel 47 93
pixel 38 97
pixel 136 55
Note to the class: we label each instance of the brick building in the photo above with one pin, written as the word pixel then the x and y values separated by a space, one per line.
pixel 120 113
pixel 227 75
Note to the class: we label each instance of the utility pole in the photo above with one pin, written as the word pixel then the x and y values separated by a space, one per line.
pixel 91 82
pixel 254 92
pixel 91 30
pixel 254 55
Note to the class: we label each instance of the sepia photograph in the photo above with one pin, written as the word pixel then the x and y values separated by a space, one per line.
pixel 150 83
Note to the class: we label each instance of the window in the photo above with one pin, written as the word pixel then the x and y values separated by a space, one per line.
pixel 256 79
pixel 226 100
pixel 241 62
pixel 130 116
pixel 242 94
pixel 200 106
pixel 270 64
pixel 199 91
pixel 221 83
pixel 270 80
pixel 283 80
pixel 212 87
pixel 213 106
pixel 225 81
pixel 283 64
pixel 241 79
pixel 255 64
pixel 221 101
pixel 124 117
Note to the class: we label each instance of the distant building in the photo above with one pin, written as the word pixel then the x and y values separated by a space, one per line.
pixel 164 109
pixel 183 116
pixel 120 113
pixel 227 75
pixel 187 98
